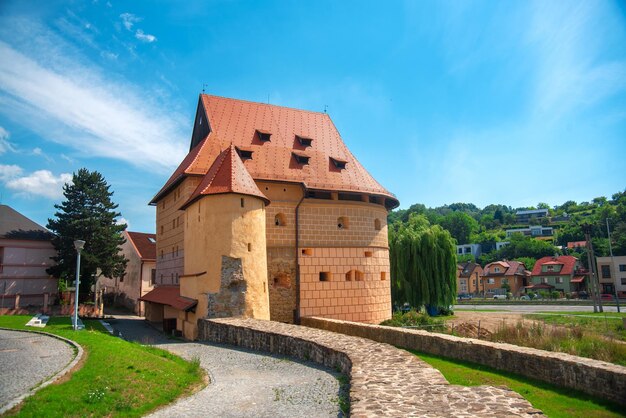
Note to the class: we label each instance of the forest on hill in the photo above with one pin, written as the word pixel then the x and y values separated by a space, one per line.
pixel 469 224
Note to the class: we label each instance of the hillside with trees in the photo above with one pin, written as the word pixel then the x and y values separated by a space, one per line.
pixel 469 224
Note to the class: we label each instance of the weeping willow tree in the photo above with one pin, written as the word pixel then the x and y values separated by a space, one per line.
pixel 423 263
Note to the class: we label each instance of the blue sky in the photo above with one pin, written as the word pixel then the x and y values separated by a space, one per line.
pixel 461 101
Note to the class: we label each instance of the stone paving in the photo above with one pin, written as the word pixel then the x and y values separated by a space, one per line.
pixel 243 383
pixel 28 359
pixel 385 381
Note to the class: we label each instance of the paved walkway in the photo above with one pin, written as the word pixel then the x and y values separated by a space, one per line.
pixel 243 383
pixel 28 359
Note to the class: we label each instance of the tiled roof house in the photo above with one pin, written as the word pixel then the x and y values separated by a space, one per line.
pixel 563 273
pixel 139 277
pixel 270 201
pixel 496 274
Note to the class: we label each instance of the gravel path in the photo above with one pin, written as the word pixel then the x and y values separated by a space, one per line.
pixel 244 383
pixel 28 359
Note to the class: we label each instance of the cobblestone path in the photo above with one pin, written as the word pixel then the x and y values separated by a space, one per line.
pixel 243 383
pixel 28 359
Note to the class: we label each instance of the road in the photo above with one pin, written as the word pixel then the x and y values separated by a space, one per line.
pixel 535 308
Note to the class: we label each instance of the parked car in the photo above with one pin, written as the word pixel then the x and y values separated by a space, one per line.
pixel 524 297
pixel 606 296
pixel 500 297
pixel 582 295
pixel 465 296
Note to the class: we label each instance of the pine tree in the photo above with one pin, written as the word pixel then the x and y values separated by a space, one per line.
pixel 423 263
pixel 87 213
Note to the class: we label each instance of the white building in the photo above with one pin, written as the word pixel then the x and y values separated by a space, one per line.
pixel 612 274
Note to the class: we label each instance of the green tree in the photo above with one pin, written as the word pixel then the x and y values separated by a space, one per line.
pixel 460 225
pixel 423 263
pixel 87 213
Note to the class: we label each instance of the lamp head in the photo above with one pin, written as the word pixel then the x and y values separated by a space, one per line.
pixel 79 244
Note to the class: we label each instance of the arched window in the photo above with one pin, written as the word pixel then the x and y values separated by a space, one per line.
pixel 342 222
pixel 279 219
pixel 377 224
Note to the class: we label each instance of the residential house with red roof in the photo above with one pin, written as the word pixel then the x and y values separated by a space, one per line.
pixel 468 278
pixel 503 273
pixel 269 216
pixel 562 273
pixel 140 275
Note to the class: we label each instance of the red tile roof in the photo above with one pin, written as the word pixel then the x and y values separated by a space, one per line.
pixel 145 248
pixel 169 295
pixel 512 268
pixel 576 244
pixel 578 279
pixel 227 174
pixel 568 261
pixel 236 122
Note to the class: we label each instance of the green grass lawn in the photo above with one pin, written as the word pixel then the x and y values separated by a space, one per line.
pixel 118 378
pixel 553 401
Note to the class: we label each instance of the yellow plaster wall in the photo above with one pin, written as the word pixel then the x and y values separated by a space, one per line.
pixel 170 222
pixel 217 226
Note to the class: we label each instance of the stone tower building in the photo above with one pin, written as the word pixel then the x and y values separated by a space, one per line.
pixel 269 216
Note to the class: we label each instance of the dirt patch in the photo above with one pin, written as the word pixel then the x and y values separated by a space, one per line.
pixel 488 321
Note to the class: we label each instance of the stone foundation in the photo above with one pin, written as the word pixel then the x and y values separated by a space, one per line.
pixel 596 378
pixel 231 299
pixel 384 380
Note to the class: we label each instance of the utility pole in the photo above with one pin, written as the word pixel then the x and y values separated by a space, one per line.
pixel 597 303
pixel 608 233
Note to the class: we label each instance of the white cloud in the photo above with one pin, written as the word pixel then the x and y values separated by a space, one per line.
pixel 39 183
pixel 121 221
pixel 145 37
pixel 129 19
pixel 8 172
pixel 80 106
pixel 5 145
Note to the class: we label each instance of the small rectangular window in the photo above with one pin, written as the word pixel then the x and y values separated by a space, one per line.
pixel 307 251
pixel 153 276
pixel 242 202
pixel 340 164
pixel 304 141
pixel 622 267
pixel 263 135
pixel 244 154
pixel 368 254
pixel 325 276
pixel 300 158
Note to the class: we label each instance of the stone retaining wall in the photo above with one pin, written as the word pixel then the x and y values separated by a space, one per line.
pixel 384 380
pixel 597 378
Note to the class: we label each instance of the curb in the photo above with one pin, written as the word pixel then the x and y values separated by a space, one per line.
pixel 79 355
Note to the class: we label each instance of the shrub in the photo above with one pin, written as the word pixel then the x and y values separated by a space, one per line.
pixel 414 319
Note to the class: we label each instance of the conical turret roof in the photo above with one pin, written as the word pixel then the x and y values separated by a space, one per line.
pixel 227 174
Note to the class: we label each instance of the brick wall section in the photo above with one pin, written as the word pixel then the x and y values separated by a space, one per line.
pixel 596 378
pixel 281 276
pixel 318 224
pixel 384 381
pixel 366 300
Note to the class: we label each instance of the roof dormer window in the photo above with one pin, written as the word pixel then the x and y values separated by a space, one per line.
pixel 301 158
pixel 263 136
pixel 244 154
pixel 340 164
pixel 304 141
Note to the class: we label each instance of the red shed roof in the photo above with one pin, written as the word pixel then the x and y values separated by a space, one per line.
pixel 236 122
pixel 145 244
pixel 568 261
pixel 227 174
pixel 169 295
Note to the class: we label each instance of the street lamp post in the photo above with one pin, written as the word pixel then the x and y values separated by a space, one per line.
pixel 78 244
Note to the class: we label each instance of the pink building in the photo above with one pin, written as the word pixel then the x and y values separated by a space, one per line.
pixel 25 254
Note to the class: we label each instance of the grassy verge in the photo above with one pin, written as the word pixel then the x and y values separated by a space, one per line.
pixel 118 378
pixel 555 402
pixel 607 324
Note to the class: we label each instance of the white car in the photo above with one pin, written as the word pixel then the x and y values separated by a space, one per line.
pixel 499 296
